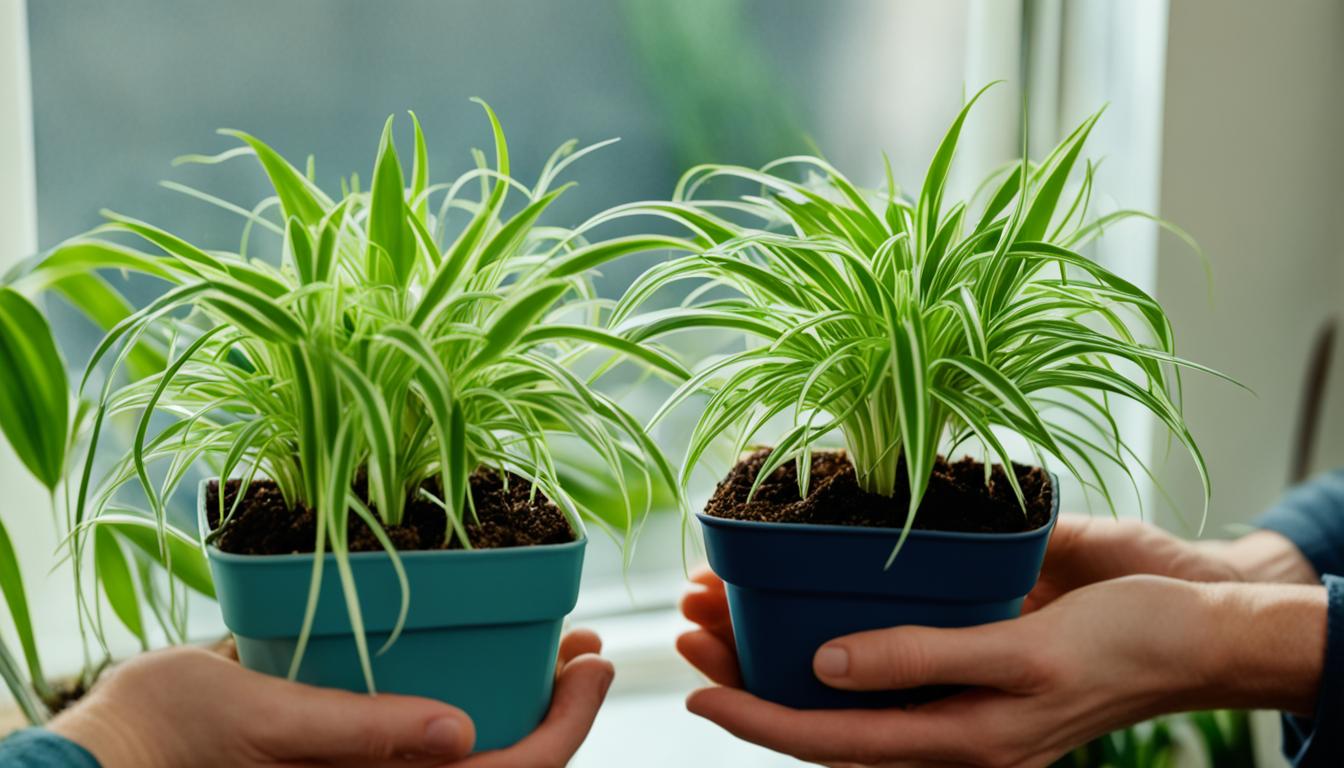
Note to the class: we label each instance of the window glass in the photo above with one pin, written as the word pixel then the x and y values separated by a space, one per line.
pixel 120 89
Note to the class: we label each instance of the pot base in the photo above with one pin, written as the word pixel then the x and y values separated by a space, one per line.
pixel 501 676
pixel 777 634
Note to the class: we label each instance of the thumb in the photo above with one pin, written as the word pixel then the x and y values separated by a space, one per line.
pixel 580 689
pixel 326 725
pixel 998 655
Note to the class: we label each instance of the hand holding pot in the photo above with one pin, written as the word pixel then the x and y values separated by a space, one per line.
pixel 1086 549
pixel 1099 658
pixel 191 706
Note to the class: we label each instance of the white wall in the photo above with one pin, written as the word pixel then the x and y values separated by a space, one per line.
pixel 1252 167
pixel 22 499
pixel 18 219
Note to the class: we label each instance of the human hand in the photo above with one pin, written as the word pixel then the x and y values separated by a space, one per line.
pixel 1084 550
pixel 192 706
pixel 1099 658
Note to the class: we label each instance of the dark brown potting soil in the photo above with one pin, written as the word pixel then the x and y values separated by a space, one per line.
pixel 958 498
pixel 265 525
pixel 65 693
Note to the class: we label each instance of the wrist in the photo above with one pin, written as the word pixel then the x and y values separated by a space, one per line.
pixel 1263 647
pixel 1263 557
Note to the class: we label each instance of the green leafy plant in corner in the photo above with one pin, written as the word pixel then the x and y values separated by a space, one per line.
pixel 1222 738
pixel 46 429
pixel 34 414
pixel 43 425
pixel 911 326
pixel 1148 745
pixel 406 335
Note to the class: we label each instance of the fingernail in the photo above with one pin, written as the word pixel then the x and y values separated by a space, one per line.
pixel 832 661
pixel 443 736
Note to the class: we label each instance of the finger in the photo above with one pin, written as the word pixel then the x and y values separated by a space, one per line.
pixel 707 580
pixel 577 643
pixel 579 692
pixel 706 604
pixel 709 610
pixel 865 737
pixel 1043 594
pixel 1064 539
pixel 320 724
pixel 712 656
pixel 1000 655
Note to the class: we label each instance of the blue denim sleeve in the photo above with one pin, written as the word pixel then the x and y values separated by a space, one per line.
pixel 40 748
pixel 1312 517
pixel 1318 741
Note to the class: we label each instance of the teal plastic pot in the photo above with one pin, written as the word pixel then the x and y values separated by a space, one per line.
pixel 481 634
pixel 792 587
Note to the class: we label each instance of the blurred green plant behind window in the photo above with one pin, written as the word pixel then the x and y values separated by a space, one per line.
pixel 122 88
pixel 715 88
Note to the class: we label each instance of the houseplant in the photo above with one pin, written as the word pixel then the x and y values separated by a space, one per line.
pixel 379 392
pixel 1221 738
pixel 46 432
pixel 909 328
pixel 34 412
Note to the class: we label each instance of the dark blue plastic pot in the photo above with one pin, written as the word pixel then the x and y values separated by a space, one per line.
pixel 482 632
pixel 792 587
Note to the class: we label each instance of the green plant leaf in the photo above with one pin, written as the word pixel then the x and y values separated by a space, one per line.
pixel 32 707
pixel 392 244
pixel 188 562
pixel 34 395
pixel 930 197
pixel 642 352
pixel 298 196
pixel 16 598
pixel 419 173
pixel 119 587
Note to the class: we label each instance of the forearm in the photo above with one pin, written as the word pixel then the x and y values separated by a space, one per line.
pixel 1266 647
pixel 1311 516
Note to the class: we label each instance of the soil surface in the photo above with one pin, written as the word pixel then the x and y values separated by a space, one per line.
pixel 65 693
pixel 958 499
pixel 265 525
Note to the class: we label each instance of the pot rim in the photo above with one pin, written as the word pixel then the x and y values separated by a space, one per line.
pixel 500 553
pixel 915 533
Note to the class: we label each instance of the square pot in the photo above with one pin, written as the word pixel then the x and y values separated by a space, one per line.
pixel 792 587
pixel 482 631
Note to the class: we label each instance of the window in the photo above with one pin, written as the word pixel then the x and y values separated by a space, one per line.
pixel 119 90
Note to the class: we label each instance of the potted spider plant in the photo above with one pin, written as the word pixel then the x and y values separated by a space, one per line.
pixel 910 329
pixel 378 396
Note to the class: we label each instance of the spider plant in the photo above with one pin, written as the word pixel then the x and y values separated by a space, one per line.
pixel 407 334
pixel 910 325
